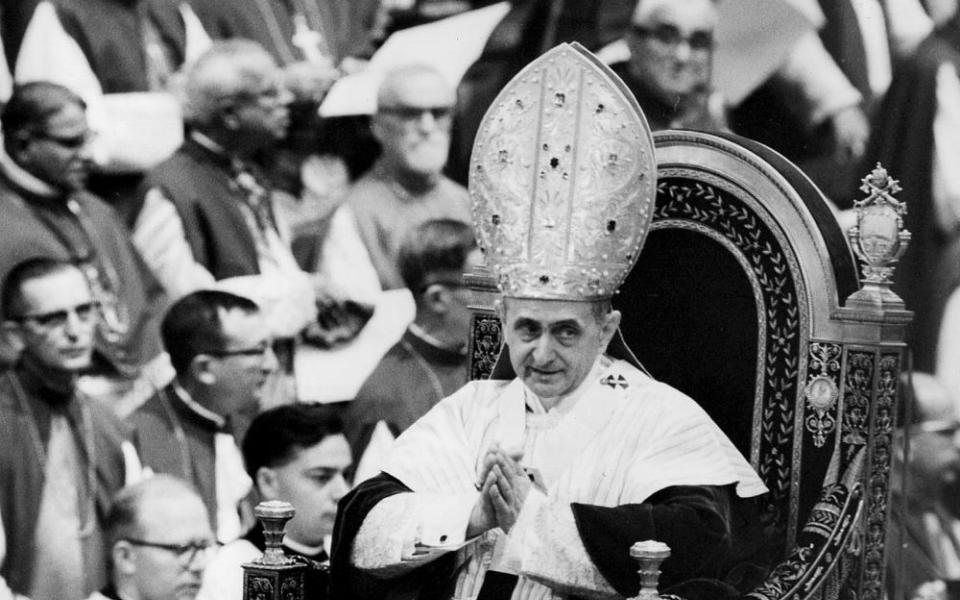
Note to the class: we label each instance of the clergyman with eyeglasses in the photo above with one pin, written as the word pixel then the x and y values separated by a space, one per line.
pixel 159 540
pixel 47 211
pixel 62 454
pixel 404 188
pixel 221 350
pixel 671 63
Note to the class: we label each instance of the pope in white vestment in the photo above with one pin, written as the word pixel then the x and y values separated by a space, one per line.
pixel 534 484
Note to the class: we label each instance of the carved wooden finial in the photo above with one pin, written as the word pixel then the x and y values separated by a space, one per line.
pixel 878 239
pixel 649 554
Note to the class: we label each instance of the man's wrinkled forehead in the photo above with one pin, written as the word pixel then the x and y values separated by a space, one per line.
pixel 546 312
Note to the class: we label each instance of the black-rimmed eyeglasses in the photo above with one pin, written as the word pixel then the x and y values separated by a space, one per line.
pixel 415 113
pixel 671 37
pixel 257 351
pixel 186 553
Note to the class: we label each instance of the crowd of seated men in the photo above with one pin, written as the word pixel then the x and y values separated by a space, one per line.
pixel 189 252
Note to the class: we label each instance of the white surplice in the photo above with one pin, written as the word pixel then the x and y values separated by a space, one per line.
pixel 617 439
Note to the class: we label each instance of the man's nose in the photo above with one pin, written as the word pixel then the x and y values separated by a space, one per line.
pixel 72 327
pixel 543 350
pixel 270 362
pixel 339 487
pixel 683 51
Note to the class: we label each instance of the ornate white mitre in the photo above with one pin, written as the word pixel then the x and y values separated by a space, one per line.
pixel 563 179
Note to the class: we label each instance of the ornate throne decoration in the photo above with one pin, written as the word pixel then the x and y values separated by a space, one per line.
pixel 747 297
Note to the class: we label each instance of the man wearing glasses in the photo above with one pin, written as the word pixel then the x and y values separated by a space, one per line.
pixel 62 455
pixel 404 188
pixel 430 361
pixel 209 212
pixel 671 61
pixel 159 540
pixel 220 348
pixel 48 212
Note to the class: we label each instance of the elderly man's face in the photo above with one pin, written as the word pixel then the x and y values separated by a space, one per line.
pixel 173 572
pixel 554 343
pixel 262 112
pixel 57 322
pixel 59 152
pixel 672 50
pixel 413 121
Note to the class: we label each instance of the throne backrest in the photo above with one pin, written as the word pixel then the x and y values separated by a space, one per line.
pixel 737 299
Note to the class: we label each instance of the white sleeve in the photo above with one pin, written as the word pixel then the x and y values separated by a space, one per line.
pixel 223 577
pixel 544 545
pixel 159 237
pixel 345 265
pixel 136 130
pixel 391 539
pixel 946 150
pixel 948 349
pixel 197 39
pixel 132 467
pixel 823 89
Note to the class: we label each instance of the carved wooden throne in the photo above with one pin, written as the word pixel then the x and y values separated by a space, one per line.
pixel 741 299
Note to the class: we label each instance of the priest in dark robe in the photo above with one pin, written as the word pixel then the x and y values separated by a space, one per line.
pixel 48 212
pixel 294 453
pixel 220 348
pixel 62 455
pixel 915 139
pixel 430 361
pixel 535 483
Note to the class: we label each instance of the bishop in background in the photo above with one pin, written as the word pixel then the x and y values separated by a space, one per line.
pixel 535 483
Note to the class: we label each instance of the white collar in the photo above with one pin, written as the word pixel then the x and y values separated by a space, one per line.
pixel 208 143
pixel 568 400
pixel 196 407
pixel 303 549
pixel 25 180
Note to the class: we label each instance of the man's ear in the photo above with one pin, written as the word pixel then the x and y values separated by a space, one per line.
pixel 376 127
pixel 267 484
pixel 17 145
pixel 201 369
pixel 12 336
pixel 611 321
pixel 436 298
pixel 122 554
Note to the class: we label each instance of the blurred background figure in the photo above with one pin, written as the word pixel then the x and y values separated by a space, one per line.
pixel 210 213
pixel 120 56
pixel 917 139
pixel 159 538
pixel 62 455
pixel 404 188
pixel 221 350
pixel 924 536
pixel 671 64
pixel 48 211
pixel 298 454
pixel 430 362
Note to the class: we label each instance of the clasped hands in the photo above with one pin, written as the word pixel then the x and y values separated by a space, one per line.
pixel 504 486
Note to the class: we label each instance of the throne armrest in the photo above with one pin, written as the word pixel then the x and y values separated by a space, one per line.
pixel 822 542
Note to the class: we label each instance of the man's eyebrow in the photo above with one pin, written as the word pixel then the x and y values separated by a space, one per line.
pixel 565 323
